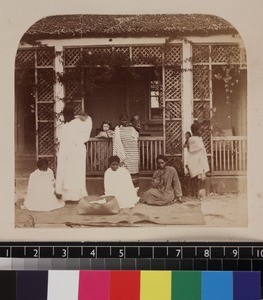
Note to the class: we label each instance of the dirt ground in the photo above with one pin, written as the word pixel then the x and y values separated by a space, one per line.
pixel 227 210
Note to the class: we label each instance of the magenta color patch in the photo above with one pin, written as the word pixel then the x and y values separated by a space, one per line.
pixel 94 285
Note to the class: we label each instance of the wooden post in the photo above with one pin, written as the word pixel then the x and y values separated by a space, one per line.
pixel 187 91
pixel 58 89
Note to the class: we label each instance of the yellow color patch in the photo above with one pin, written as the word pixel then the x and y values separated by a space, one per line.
pixel 155 285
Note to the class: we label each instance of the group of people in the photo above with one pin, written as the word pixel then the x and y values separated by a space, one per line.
pixel 121 178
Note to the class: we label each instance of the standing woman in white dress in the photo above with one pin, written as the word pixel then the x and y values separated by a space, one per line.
pixel 71 176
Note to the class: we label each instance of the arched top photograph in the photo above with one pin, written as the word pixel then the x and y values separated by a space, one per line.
pixel 141 120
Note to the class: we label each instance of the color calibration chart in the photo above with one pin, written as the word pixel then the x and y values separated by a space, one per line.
pixel 113 271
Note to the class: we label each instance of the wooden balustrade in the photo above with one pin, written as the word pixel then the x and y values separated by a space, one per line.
pixel 229 155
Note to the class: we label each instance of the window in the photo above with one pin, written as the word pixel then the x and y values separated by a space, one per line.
pixel 156 110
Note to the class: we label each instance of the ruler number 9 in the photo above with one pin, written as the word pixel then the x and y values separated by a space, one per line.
pixel 235 252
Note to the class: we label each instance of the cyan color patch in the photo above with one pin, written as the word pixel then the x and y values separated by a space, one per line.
pixel 217 285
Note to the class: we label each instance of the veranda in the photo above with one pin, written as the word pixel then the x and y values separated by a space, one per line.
pixel 170 83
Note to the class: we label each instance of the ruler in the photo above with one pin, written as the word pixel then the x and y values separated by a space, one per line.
pixel 201 256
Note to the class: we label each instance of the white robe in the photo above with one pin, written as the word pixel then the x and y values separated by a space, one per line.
pixel 196 157
pixel 71 164
pixel 119 184
pixel 40 192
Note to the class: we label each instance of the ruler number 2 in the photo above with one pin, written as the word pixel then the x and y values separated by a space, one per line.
pixel 35 253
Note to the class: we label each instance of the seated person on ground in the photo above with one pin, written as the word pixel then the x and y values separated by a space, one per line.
pixel 41 191
pixel 166 187
pixel 118 183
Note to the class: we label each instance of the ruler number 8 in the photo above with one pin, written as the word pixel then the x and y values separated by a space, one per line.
pixel 206 253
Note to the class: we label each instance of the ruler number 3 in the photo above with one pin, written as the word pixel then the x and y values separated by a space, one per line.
pixel 64 253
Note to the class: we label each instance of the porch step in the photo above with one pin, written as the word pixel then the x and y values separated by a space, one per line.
pixel 216 184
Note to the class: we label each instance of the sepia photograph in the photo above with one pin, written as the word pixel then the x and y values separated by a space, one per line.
pixel 130 120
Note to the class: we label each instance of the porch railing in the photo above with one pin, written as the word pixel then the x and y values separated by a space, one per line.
pixel 229 155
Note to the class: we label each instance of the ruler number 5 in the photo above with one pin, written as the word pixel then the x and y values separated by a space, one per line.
pixel 121 253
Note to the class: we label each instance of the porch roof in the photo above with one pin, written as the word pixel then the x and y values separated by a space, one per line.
pixel 159 25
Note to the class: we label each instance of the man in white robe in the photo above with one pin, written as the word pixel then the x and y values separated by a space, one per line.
pixel 71 168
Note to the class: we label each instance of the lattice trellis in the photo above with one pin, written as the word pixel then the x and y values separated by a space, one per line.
pixel 173 55
pixel 201 109
pixel 172 83
pixel 25 57
pixel 73 84
pixel 201 54
pixel 45 57
pixel 72 56
pixel 45 111
pixel 201 84
pixel 45 138
pixel 97 56
pixel 45 90
pixel 172 110
pixel 207 138
pixel 42 60
pixel 77 107
pixel 225 54
pixel 150 55
pixel 173 137
pixel 176 162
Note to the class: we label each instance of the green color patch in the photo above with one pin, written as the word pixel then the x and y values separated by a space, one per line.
pixel 186 285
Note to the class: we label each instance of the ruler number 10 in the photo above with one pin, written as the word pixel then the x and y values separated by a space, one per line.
pixel 259 253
